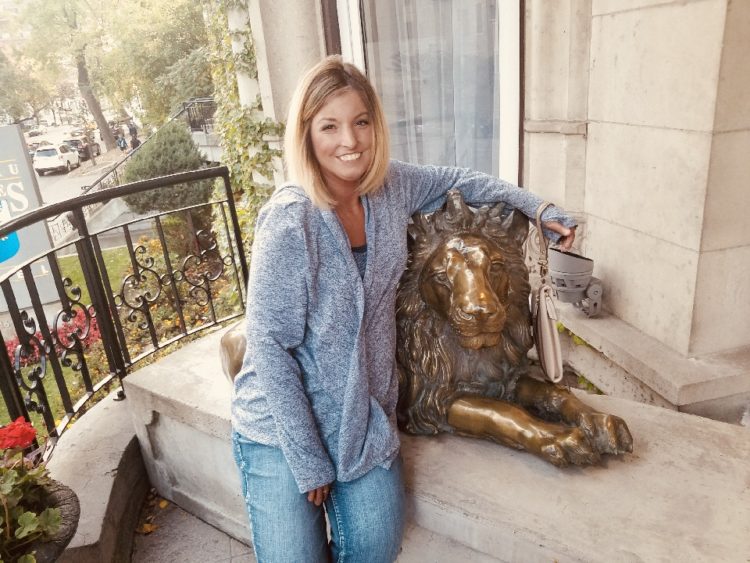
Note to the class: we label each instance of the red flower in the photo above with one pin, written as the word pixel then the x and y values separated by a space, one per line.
pixel 17 434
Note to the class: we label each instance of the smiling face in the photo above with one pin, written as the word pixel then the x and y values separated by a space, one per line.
pixel 341 135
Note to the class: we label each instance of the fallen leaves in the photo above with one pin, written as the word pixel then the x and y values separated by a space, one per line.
pixel 150 510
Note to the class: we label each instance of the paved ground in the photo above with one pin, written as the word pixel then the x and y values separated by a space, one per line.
pixel 175 535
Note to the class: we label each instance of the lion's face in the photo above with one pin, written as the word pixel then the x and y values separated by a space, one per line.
pixel 466 282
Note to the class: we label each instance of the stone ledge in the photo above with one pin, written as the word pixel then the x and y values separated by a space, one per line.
pixel 99 458
pixel 683 495
pixel 681 381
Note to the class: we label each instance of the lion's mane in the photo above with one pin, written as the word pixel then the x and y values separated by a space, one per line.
pixel 434 369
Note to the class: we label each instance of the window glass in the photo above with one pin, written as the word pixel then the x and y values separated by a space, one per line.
pixel 46 152
pixel 435 65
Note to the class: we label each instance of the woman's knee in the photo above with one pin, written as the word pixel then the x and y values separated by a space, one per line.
pixel 367 517
pixel 285 527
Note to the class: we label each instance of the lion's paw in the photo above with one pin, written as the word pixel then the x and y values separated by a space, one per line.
pixel 607 433
pixel 570 446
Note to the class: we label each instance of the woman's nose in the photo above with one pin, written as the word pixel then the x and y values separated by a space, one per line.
pixel 347 138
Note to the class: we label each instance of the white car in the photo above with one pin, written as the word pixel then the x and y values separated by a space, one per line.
pixel 55 157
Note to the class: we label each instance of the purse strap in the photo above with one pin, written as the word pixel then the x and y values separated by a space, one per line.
pixel 542 241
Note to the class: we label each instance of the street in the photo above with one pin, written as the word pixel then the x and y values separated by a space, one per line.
pixel 59 186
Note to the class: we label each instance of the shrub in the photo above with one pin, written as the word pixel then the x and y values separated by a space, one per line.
pixel 169 151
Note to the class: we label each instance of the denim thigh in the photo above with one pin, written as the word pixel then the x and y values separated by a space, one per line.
pixel 367 516
pixel 286 527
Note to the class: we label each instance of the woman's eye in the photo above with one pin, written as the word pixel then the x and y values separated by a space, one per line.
pixel 363 123
pixel 327 127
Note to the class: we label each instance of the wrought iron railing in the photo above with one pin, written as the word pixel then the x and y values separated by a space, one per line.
pixel 200 114
pixel 82 314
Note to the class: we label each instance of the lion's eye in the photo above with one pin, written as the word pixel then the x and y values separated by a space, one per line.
pixel 440 276
pixel 497 266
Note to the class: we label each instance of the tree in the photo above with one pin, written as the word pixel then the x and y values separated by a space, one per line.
pixel 159 54
pixel 77 29
pixel 171 150
pixel 13 92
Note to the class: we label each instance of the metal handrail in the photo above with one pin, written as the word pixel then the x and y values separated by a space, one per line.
pixel 58 208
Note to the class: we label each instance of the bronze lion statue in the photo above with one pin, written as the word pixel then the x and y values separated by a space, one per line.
pixel 464 330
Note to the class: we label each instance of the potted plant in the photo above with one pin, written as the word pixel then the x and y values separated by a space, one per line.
pixel 38 515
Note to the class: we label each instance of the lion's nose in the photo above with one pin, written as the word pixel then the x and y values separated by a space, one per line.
pixel 479 306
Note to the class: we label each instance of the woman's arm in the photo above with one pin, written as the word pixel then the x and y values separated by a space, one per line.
pixel 276 318
pixel 425 187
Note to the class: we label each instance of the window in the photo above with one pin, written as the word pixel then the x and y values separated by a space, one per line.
pixel 447 72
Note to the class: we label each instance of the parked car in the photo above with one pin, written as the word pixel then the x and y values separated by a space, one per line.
pixel 81 145
pixel 37 132
pixel 32 149
pixel 55 157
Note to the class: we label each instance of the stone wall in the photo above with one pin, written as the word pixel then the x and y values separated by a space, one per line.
pixel 635 117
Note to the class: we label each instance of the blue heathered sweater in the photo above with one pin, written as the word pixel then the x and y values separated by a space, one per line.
pixel 319 379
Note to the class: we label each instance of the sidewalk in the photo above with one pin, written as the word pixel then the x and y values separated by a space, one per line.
pixel 104 162
pixel 175 535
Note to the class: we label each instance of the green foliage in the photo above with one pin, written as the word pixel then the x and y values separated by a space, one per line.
pixel 244 132
pixel 151 50
pixel 587 386
pixel 24 515
pixel 189 77
pixel 170 151
pixel 26 89
pixel 160 56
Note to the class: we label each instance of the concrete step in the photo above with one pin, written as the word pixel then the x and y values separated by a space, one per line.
pixel 626 363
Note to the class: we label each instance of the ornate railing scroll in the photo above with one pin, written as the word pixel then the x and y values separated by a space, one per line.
pixel 115 294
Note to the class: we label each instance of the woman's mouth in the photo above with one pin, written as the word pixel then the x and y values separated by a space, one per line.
pixel 349 157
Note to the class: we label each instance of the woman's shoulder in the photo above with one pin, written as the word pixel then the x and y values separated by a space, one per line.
pixel 400 171
pixel 289 195
pixel 287 204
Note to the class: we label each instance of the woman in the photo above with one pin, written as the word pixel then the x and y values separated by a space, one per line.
pixel 313 412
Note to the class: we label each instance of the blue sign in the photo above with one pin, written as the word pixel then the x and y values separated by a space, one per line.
pixel 9 246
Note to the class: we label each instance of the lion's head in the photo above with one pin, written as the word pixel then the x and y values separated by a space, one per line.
pixel 462 310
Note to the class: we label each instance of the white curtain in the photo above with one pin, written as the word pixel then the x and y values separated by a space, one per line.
pixel 435 66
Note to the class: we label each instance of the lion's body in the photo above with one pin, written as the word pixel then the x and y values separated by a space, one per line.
pixel 435 368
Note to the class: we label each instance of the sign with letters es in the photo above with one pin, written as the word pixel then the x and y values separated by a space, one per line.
pixel 19 194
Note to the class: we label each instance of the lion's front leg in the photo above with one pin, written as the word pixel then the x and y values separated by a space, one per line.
pixel 606 432
pixel 511 425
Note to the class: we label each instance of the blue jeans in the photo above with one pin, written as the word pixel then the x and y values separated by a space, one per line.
pixel 366 515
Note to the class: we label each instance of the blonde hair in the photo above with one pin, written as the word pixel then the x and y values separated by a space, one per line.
pixel 326 79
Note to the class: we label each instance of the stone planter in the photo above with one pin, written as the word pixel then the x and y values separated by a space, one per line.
pixel 62 497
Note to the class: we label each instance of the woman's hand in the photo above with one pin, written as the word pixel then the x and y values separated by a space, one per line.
pixel 318 496
pixel 567 235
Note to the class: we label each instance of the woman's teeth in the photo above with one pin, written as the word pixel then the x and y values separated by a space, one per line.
pixel 353 156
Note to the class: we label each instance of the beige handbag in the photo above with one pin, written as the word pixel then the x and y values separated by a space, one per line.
pixel 544 314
